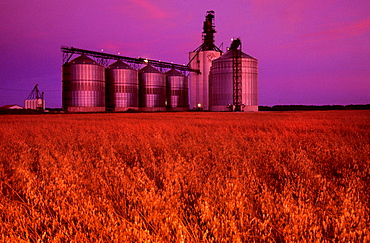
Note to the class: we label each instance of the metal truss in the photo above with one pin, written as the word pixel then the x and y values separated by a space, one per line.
pixel 104 59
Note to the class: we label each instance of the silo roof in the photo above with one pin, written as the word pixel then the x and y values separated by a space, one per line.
pixel 121 65
pixel 149 69
pixel 83 59
pixel 229 55
pixel 173 72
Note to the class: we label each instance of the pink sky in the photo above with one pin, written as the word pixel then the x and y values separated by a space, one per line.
pixel 309 52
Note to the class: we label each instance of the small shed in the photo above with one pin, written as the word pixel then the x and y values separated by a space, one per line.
pixel 11 107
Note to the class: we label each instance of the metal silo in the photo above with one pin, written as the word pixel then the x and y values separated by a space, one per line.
pixel 199 84
pixel 152 89
pixel 83 85
pixel 177 91
pixel 201 59
pixel 122 87
pixel 222 82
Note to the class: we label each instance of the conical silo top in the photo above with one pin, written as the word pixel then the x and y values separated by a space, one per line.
pixel 173 72
pixel 83 59
pixel 149 69
pixel 229 55
pixel 120 65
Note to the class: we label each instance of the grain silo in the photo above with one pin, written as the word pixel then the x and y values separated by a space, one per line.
pixel 201 59
pixel 35 100
pixel 122 87
pixel 152 89
pixel 177 91
pixel 83 85
pixel 234 81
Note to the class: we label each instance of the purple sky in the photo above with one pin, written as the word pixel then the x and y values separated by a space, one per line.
pixel 309 52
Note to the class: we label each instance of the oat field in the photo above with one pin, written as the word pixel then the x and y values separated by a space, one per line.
pixel 186 177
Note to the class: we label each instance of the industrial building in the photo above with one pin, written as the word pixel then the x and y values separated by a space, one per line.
pixel 35 100
pixel 226 82
pixel 212 81
pixel 201 59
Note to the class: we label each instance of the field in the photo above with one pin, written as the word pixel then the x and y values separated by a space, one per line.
pixel 186 177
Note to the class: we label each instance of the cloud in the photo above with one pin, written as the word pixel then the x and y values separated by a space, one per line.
pixel 354 29
pixel 331 34
pixel 153 10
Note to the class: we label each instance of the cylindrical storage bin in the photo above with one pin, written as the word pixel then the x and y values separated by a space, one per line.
pixel 83 85
pixel 177 91
pixel 152 89
pixel 122 87
pixel 199 82
pixel 221 83
pixel 34 104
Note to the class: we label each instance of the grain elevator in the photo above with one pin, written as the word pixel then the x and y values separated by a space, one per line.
pixel 212 80
pixel 226 82
pixel 35 100
pixel 201 59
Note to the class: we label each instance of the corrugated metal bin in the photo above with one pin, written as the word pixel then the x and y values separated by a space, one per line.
pixel 177 91
pixel 152 89
pixel 122 87
pixel 83 85
pixel 221 83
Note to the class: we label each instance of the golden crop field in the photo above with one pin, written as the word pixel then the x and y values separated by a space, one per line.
pixel 186 177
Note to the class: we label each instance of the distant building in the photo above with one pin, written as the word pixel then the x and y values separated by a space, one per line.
pixel 11 107
pixel 35 101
